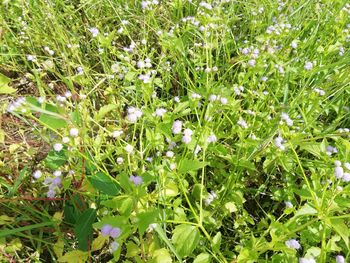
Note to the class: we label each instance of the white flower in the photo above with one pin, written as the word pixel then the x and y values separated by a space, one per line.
pixel 57 173
pixel 160 112
pixel 288 204
pixel 114 246
pixel 68 94
pixel 177 126
pixel 195 96
pixel 172 166
pixel 337 163
pixel 140 64
pixel 65 139
pixel 188 132
pixel 211 138
pixel 132 117
pixel 223 100
pixel 210 198
pixel 186 139
pixel 347 166
pixel 242 123
pixel 80 70
pixel 74 132
pixel 294 44
pixel 93 31
pixel 307 260
pixel 120 160
pixel 293 243
pixel 116 134
pixel 197 150
pixel 31 58
pixel 37 174
pixel 129 148
pixel 285 117
pixel 339 259
pixel 308 65
pixel 169 154
pixel 146 78
pixel 279 143
pixel 213 98
pixel 338 172
pixel 251 62
pixel 57 147
pixel 346 177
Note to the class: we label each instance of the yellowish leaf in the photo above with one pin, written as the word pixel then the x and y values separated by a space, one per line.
pixel 75 256
pixel 58 248
pixel 98 243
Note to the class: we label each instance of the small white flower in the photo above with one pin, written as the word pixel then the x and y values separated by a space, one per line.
pixel 223 100
pixel 279 143
pixel 288 204
pixel 94 31
pixel 129 149
pixel 337 163
pixel 212 138
pixel 338 172
pixel 242 123
pixel 195 96
pixel 132 117
pixel 308 65
pixel 346 177
pixel 213 98
pixel 117 134
pixel 188 132
pixel 68 94
pixel 169 154
pixel 114 246
pixel 57 173
pixel 160 112
pixel 65 139
pixel 37 174
pixel 251 62
pixel 294 44
pixel 339 259
pixel 57 147
pixel 186 139
pixel 177 126
pixel 120 160
pixel 307 260
pixel 31 58
pixel 74 132
pixel 293 243
pixel 140 64
pixel 172 166
pixel 347 166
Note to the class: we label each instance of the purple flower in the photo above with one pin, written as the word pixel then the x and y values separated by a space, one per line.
pixel 137 180
pixel 51 193
pixel 106 230
pixel 56 181
pixel 115 232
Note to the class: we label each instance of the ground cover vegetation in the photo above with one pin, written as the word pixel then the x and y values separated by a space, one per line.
pixel 174 131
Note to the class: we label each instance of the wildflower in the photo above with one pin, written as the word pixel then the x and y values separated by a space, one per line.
pixel 294 44
pixel 146 78
pixel 57 147
pixel 172 166
pixel 195 96
pixel 251 62
pixel 186 139
pixel 140 64
pixel 176 99
pixel 288 204
pixel 115 232
pixel 210 198
pixel 114 246
pixel 129 148
pixel 346 177
pixel 223 100
pixel 211 139
pixel 120 160
pixel 56 181
pixel 339 259
pixel 94 31
pixel 74 132
pixel 285 117
pixel 307 260
pixel 319 92
pixel 177 126
pixel 242 123
pixel 106 229
pixel 116 134
pixel 293 243
pixel 57 173
pixel 137 180
pixel 197 150
pixel 212 98
pixel 308 65
pixel 31 58
pixel 347 166
pixel 61 99
pixel 37 174
pixel 169 154
pixel 279 143
pixel 188 132
pixel 331 150
pixel 80 70
pixel 51 193
pixel 337 163
pixel 160 112
pixel 338 172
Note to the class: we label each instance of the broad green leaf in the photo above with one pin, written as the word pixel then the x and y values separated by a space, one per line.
pixel 185 239
pixel 202 258
pixel 217 241
pixel 4 87
pixel 187 165
pixel 341 228
pixel 145 219
pixel 83 228
pixel 306 209
pixel 75 256
pixel 54 160
pixel 161 256
pixel 99 242
pixel 104 183
pixel 54 121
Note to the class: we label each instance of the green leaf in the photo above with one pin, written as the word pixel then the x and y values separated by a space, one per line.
pixel 341 228
pixel 83 228
pixel 165 239
pixel 104 111
pixel 187 165
pixel 161 256
pixel 202 258
pixel 75 256
pixel 104 183
pixel 145 219
pixel 306 210
pixel 55 160
pixel 217 241
pixel 52 120
pixel 185 239
pixel 4 87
